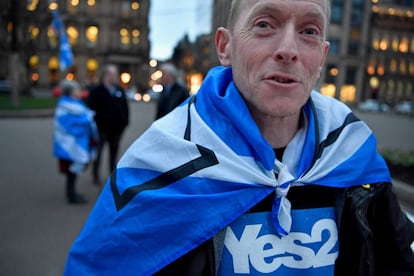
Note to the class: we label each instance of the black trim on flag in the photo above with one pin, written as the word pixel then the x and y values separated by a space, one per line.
pixel 187 133
pixel 207 159
pixel 333 135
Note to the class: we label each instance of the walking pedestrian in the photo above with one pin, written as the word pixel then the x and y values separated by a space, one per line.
pixel 108 101
pixel 75 137
pixel 173 94
pixel 257 174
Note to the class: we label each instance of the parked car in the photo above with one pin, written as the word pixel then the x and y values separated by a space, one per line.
pixel 373 105
pixel 5 86
pixel 405 107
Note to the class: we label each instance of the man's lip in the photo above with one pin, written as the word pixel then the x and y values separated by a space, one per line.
pixel 281 78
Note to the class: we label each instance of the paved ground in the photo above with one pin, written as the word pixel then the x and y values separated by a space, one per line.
pixel 393 131
pixel 37 227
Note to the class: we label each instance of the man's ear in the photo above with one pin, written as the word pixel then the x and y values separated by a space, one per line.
pixel 222 40
pixel 325 52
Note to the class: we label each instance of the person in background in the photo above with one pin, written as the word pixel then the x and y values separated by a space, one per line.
pixel 173 92
pixel 75 137
pixel 108 101
pixel 256 174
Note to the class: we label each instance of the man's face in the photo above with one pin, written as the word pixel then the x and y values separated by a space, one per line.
pixel 276 50
pixel 112 76
pixel 166 78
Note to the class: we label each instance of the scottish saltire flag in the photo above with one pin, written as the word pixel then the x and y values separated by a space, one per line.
pixel 74 129
pixel 65 50
pixel 198 169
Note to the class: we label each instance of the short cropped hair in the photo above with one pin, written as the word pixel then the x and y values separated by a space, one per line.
pixel 68 87
pixel 170 69
pixel 236 7
pixel 106 69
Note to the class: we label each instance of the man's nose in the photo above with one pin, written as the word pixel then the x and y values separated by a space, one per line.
pixel 286 46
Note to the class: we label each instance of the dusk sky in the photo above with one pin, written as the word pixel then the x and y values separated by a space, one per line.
pixel 171 20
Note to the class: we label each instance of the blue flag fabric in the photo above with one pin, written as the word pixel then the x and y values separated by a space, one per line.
pixel 75 128
pixel 202 166
pixel 65 50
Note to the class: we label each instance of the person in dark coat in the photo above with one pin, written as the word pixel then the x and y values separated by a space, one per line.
pixel 173 94
pixel 109 102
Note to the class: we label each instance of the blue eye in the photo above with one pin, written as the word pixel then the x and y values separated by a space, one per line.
pixel 262 25
pixel 310 31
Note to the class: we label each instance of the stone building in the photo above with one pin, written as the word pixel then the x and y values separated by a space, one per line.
pixel 99 32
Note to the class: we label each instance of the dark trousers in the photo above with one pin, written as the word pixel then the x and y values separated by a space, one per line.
pixel 70 185
pixel 113 141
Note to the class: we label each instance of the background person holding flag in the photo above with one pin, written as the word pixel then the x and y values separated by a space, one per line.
pixel 75 137
pixel 65 50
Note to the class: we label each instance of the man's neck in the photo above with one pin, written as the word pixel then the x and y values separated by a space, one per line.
pixel 278 131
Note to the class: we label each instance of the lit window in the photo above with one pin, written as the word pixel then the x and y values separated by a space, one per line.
pixel 35 77
pixel 153 63
pixel 91 68
pixel 124 36
pixel 371 70
pixel 381 70
pixel 53 6
pixel 73 6
pixel 403 47
pixel 34 61
pixel 328 90
pixel 91 64
pixel 135 33
pixel 393 66
pixel 134 6
pixel 34 32
pixel 334 71
pixel 412 44
pixel 53 63
pixel 52 37
pixel 74 3
pixel 73 35
pixel 135 36
pixel 348 93
pixel 32 5
pixel 375 41
pixel 403 67
pixel 384 44
pixel 125 77
pixel 92 33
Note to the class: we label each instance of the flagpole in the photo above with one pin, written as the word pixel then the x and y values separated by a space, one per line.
pixel 66 58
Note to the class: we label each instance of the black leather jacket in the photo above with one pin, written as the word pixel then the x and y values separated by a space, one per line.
pixel 374 236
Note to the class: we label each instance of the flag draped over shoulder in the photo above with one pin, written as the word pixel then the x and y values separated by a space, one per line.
pixel 65 50
pixel 202 166
pixel 74 130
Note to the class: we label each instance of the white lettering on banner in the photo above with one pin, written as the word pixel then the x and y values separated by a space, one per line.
pixel 268 252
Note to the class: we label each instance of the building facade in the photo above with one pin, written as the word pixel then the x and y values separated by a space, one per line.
pixel 371 52
pixel 390 64
pixel 99 32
